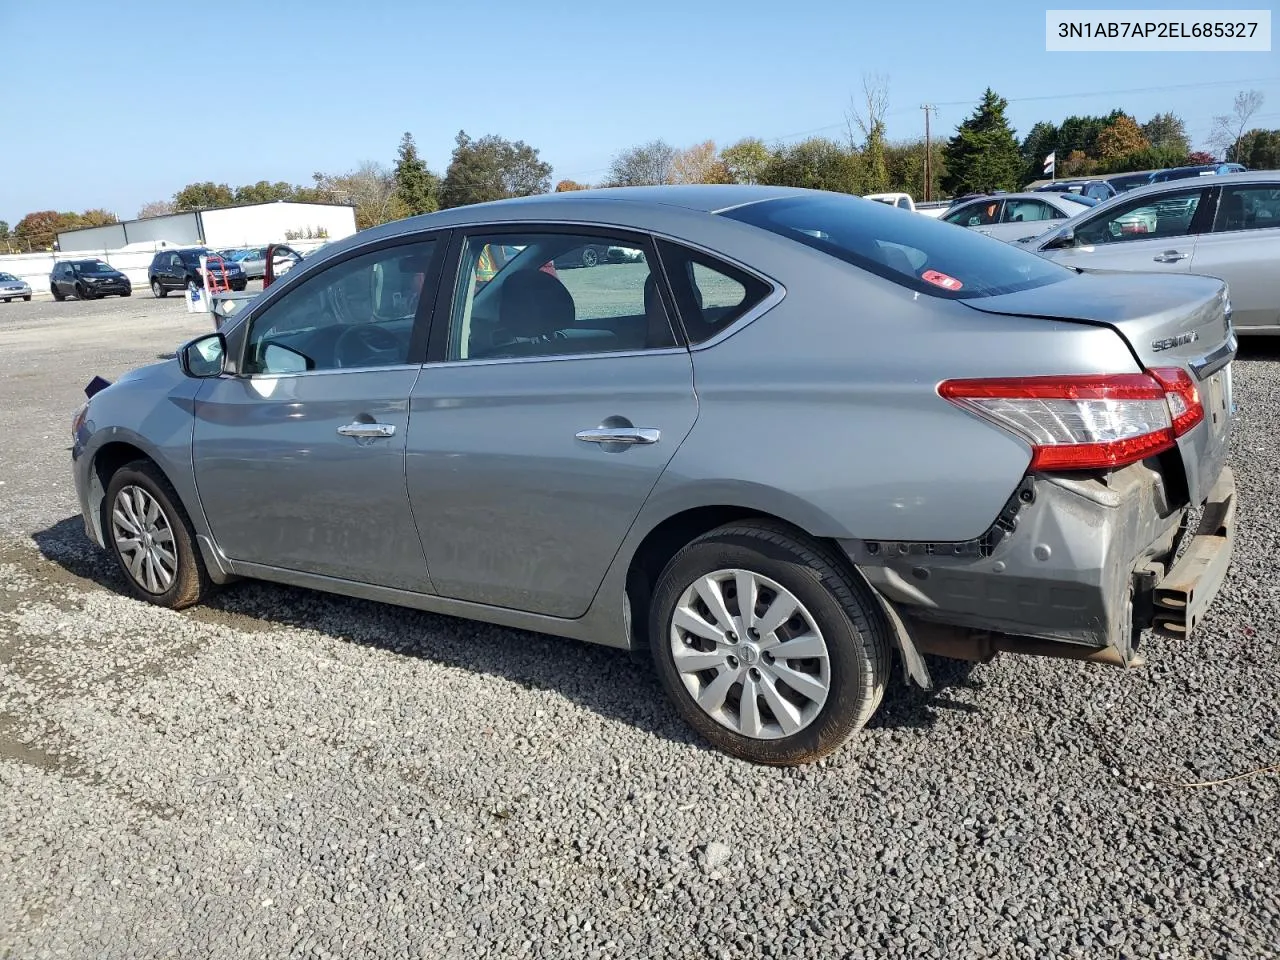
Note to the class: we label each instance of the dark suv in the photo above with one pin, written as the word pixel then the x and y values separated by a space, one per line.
pixel 87 280
pixel 179 269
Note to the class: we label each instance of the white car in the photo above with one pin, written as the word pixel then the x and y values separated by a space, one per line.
pixel 1015 216
pixel 11 288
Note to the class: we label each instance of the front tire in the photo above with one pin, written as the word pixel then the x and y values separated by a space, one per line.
pixel 157 290
pixel 787 680
pixel 151 537
pixel 57 294
pixel 27 298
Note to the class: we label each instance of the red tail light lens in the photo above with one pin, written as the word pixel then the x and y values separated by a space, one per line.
pixel 1184 399
pixel 1086 422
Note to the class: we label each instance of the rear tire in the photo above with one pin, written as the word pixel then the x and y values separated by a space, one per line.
pixel 590 257
pixel 157 290
pixel 804 706
pixel 151 537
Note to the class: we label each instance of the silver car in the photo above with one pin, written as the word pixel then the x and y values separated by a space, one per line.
pixel 253 260
pixel 1226 227
pixel 1012 216
pixel 800 438
pixel 11 288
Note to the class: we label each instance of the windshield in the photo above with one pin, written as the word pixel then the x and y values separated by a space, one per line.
pixel 7 278
pixel 919 253
pixel 93 266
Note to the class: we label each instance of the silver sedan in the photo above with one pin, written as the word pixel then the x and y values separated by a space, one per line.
pixel 1227 227
pixel 800 436
pixel 1013 216
pixel 13 288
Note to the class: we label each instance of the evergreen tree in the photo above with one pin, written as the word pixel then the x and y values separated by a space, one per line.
pixel 416 186
pixel 983 155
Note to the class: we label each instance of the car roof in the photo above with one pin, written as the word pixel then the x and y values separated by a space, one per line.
pixel 1248 176
pixel 1024 195
pixel 636 208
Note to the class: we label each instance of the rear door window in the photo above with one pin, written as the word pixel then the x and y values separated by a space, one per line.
pixel 1255 206
pixel 710 294
pixel 915 252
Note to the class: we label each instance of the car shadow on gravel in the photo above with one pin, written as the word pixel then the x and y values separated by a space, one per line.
pixel 607 681
pixel 1259 348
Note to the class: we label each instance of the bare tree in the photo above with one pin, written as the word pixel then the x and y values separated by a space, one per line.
pixel 699 164
pixel 648 163
pixel 867 120
pixel 156 208
pixel 370 188
pixel 1228 129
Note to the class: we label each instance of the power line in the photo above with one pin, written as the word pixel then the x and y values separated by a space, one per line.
pixel 1108 93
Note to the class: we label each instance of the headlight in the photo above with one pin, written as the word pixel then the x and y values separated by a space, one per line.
pixel 78 421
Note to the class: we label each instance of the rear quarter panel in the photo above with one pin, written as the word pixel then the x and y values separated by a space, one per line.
pixel 824 410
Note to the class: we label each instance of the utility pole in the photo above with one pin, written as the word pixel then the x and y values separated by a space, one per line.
pixel 928 151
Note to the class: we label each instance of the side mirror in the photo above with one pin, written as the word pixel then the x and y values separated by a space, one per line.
pixel 204 357
pixel 1066 237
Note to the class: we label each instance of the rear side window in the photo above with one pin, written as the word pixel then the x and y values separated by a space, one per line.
pixel 916 252
pixel 710 294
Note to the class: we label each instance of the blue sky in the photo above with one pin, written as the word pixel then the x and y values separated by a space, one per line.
pixel 131 104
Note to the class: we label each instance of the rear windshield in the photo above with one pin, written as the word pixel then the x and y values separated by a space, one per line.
pixel 915 251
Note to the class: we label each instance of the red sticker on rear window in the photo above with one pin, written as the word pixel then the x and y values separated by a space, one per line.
pixel 941 280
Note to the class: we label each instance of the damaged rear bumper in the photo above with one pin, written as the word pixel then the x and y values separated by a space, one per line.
pixel 1073 567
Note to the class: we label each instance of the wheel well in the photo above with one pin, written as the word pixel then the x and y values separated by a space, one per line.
pixel 106 462
pixel 661 544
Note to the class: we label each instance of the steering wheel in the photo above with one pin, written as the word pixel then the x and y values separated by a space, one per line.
pixel 366 345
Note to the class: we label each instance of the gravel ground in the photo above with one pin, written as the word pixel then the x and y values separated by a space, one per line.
pixel 288 774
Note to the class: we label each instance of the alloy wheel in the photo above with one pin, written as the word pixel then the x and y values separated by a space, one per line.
pixel 750 654
pixel 144 538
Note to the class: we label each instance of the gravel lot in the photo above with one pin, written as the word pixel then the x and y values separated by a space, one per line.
pixel 287 774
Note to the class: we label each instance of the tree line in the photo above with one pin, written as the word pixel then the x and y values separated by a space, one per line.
pixel 983 154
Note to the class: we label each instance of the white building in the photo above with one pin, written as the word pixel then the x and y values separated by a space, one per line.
pixel 242 225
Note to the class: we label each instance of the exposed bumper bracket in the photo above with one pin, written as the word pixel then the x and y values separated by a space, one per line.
pixel 1185 593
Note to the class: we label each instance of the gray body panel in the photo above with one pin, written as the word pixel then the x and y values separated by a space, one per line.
pixel 821 409
pixel 514 510
pixel 281 487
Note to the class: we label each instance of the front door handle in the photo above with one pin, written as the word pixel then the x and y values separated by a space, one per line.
pixel 620 435
pixel 1170 256
pixel 367 430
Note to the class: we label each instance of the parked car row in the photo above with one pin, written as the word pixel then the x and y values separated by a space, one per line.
pixel 1104 188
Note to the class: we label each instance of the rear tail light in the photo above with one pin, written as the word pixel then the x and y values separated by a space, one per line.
pixel 1086 422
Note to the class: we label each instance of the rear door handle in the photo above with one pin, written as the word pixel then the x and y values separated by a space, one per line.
pixel 367 430
pixel 1170 256
pixel 620 435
